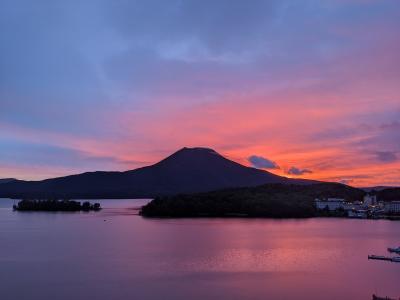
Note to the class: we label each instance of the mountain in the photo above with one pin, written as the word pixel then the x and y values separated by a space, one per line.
pixel 188 170
pixel 6 180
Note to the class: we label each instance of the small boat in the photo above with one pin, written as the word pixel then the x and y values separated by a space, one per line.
pixel 396 259
pixel 395 250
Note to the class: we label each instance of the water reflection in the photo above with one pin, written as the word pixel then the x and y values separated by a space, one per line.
pixel 115 254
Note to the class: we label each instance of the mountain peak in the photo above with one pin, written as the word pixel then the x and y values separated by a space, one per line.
pixel 198 149
pixel 189 156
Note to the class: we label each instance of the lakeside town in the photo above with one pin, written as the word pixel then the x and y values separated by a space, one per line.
pixel 369 208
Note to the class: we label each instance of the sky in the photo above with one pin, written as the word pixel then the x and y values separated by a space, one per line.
pixel 303 88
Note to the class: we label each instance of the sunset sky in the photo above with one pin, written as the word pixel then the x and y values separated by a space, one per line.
pixel 300 88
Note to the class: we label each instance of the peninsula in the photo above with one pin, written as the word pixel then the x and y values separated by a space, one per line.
pixel 270 200
pixel 280 201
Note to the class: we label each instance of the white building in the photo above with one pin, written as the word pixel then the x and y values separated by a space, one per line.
pixel 330 203
pixel 370 200
pixel 392 207
pixel 356 205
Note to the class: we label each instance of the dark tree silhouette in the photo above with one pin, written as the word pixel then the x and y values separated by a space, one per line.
pixel 55 205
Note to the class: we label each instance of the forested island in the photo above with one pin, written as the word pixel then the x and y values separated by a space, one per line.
pixel 55 205
pixel 271 200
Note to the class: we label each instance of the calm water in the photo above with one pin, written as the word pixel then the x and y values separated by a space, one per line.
pixel 115 254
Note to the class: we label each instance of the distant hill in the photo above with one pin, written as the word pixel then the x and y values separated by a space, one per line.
pixel 6 180
pixel 377 188
pixel 271 200
pixel 188 170
pixel 384 193
pixel 389 194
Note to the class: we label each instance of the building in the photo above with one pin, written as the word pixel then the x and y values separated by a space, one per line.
pixel 330 204
pixel 392 207
pixel 358 214
pixel 356 205
pixel 370 200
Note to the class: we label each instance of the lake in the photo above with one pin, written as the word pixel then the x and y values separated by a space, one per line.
pixel 116 254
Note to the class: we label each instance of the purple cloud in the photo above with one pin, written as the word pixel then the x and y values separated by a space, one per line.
pixel 297 171
pixel 262 162
pixel 386 156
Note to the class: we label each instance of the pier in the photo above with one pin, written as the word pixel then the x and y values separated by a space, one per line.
pixel 387 258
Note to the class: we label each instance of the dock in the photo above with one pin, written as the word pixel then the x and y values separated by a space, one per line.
pixel 380 257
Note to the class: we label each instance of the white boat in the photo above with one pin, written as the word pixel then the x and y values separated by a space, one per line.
pixel 395 250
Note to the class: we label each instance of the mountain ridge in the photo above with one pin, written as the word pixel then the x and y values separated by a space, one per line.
pixel 6 180
pixel 187 170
